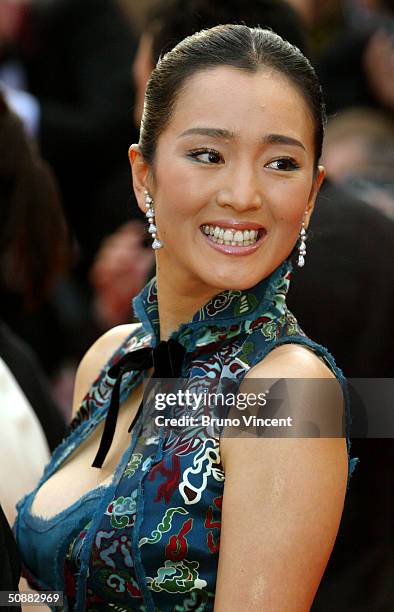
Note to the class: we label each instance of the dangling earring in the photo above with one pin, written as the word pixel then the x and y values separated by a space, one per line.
pixel 302 247
pixel 150 215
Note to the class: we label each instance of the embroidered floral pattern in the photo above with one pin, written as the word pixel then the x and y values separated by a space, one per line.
pixel 122 511
pixel 177 577
pixel 133 464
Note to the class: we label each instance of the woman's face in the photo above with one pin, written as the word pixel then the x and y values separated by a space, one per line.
pixel 235 161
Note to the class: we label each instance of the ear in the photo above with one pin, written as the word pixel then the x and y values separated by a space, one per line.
pixel 317 182
pixel 140 173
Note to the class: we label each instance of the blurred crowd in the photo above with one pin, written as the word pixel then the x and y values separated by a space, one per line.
pixel 74 249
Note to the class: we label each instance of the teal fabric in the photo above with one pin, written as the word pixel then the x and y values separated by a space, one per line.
pixel 150 540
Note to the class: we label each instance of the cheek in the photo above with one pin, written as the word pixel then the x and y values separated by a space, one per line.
pixel 179 195
pixel 288 200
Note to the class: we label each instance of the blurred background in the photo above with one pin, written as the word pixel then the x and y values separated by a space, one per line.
pixel 73 245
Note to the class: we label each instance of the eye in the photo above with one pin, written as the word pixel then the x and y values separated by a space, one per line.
pixel 206 156
pixel 283 163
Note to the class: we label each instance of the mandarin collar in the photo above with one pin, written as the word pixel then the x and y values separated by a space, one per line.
pixel 224 316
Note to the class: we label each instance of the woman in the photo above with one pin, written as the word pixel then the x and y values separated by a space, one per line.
pixel 227 173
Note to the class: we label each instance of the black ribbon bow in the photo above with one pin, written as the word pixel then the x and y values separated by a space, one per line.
pixel 166 359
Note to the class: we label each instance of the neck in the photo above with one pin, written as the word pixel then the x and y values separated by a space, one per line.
pixel 179 300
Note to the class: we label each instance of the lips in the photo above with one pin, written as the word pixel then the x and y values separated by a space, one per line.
pixel 233 238
pixel 234 234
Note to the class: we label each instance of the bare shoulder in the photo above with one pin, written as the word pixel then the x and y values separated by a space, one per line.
pixel 292 361
pixel 96 357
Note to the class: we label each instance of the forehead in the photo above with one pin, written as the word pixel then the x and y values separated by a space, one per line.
pixel 244 103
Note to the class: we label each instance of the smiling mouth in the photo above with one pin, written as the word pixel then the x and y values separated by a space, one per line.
pixel 231 237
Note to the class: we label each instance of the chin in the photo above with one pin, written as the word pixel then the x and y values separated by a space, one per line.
pixel 235 282
pixel 243 285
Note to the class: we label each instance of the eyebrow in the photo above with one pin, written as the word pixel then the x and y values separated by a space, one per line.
pixel 281 139
pixel 214 132
pixel 221 133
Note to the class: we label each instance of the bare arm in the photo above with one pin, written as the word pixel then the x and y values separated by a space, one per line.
pixel 282 504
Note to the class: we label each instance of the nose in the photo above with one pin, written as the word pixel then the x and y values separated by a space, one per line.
pixel 241 189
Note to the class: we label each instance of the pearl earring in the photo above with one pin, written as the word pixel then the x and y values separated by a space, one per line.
pixel 150 215
pixel 302 246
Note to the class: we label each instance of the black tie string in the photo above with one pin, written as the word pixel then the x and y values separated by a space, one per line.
pixel 166 359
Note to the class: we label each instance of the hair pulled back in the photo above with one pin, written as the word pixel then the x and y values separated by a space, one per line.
pixel 239 46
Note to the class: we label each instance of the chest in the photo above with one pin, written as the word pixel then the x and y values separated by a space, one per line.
pixel 76 477
pixel 153 532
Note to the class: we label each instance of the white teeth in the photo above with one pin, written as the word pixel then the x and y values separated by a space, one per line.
pixel 230 237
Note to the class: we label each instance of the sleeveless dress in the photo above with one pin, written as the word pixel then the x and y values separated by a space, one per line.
pixel 149 541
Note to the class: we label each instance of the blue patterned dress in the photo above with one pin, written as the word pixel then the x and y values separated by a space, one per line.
pixel 150 540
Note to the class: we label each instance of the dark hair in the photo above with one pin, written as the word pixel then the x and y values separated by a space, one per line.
pixel 226 45
pixel 171 21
